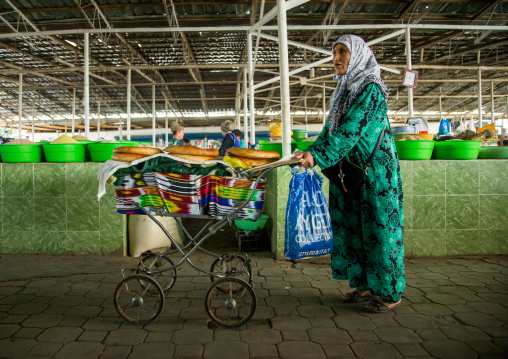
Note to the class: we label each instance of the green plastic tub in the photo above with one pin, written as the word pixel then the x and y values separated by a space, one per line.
pixel 87 152
pixel 414 150
pixel 277 147
pixel 101 152
pixel 299 134
pixel 21 153
pixel 303 145
pixel 263 141
pixel 493 152
pixel 65 152
pixel 248 225
pixel 457 150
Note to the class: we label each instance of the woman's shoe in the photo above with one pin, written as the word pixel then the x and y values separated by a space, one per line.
pixel 380 307
pixel 355 297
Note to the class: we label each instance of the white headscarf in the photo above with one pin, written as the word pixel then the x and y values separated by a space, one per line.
pixel 362 70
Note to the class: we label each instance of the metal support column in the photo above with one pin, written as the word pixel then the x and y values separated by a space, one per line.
pixel 492 119
pixel 128 104
pixel 306 120
pixel 20 104
pixel 166 122
pixel 98 120
pixel 120 128
pixel 440 109
pixel 245 104
pixel 251 90
pixel 153 115
pixel 409 67
pixel 324 105
pixel 480 116
pixel 73 124
pixel 33 121
pixel 87 86
pixel 284 76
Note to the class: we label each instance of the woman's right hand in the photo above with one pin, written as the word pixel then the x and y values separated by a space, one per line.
pixel 307 159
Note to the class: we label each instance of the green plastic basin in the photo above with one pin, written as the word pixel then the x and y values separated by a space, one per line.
pixel 248 225
pixel 21 153
pixel 299 134
pixel 414 150
pixel 64 152
pixel 263 141
pixel 102 152
pixel 456 150
pixel 303 145
pixel 493 152
pixel 277 147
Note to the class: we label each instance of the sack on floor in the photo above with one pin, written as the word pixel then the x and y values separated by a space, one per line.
pixel 308 224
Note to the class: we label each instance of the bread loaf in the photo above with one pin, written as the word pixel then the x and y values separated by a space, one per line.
pixel 126 157
pixel 194 158
pixel 248 153
pixel 191 150
pixel 145 151
pixel 254 162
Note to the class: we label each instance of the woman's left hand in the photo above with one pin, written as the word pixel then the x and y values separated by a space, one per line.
pixel 308 159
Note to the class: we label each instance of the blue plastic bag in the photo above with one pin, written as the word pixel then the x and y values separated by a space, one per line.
pixel 308 224
pixel 444 127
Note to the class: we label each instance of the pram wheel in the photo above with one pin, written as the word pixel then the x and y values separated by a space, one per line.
pixel 153 261
pixel 139 299
pixel 230 302
pixel 232 265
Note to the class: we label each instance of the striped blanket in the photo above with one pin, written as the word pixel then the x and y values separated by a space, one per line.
pixel 190 194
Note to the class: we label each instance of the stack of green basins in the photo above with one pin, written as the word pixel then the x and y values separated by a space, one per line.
pixel 65 152
pixel 21 153
pixel 102 152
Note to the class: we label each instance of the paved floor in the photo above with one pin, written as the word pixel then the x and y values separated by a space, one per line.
pixel 62 307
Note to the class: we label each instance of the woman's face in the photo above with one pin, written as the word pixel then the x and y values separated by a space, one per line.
pixel 179 135
pixel 341 57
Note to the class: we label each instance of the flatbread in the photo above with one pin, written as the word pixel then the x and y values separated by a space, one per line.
pixel 191 150
pixel 126 157
pixel 254 162
pixel 249 153
pixel 194 158
pixel 145 151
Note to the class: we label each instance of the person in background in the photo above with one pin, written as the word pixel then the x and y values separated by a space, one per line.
pixel 368 237
pixel 186 142
pixel 177 130
pixel 238 134
pixel 229 140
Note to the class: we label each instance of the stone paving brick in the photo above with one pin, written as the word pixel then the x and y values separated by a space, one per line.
pixel 188 351
pixel 48 349
pixel 489 307
pixel 193 313
pixel 263 351
pixel 260 336
pixel 502 343
pixel 448 349
pixel 165 324
pixel 297 278
pixel 28 308
pixel 107 324
pixel 282 301
pixel 495 332
pixel 226 350
pixel 6 330
pixel 297 350
pixel 363 336
pixel 72 322
pixel 325 284
pixel 68 300
pixel 322 322
pixel 478 319
pixel 263 312
pixel 17 299
pixel 279 292
pixel 411 350
pixel 375 350
pixel 353 321
pixel 329 335
pixel 55 309
pixel 290 323
pixel 304 292
pixel 13 319
pixel 382 321
pixel 83 311
pixel 275 285
pixel 226 335
pixel 154 337
pixel 338 351
pixel 294 335
pixel 41 283
pixel 55 291
pixel 397 335
pixel 430 333
pixel 417 300
pixel 60 334
pixel 116 352
pixel 432 309
pixel 42 320
pixel 93 336
pixel 192 336
pixel 486 348
pixel 30 333
pixel 284 312
pixel 80 350
pixel 471 298
pixel 125 336
pixel 16 347
pixel 152 350
pixel 415 321
pixel 464 333
pixel 315 311
pixel 460 308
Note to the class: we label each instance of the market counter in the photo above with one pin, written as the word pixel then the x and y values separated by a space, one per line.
pixel 450 207
pixel 52 208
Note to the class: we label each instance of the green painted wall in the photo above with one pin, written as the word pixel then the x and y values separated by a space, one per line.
pixel 53 208
pixel 450 207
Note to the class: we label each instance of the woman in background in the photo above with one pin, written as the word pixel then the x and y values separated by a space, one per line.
pixel 229 140
pixel 177 130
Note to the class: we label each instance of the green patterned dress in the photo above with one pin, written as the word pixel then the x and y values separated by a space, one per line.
pixel 367 232
pixel 175 142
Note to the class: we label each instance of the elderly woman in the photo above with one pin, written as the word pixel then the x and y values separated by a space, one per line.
pixel 229 140
pixel 367 231
pixel 177 130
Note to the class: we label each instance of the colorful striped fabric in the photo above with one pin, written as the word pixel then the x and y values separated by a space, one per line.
pixel 190 194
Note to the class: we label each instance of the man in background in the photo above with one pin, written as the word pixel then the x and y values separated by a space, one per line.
pixel 186 142
pixel 238 134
